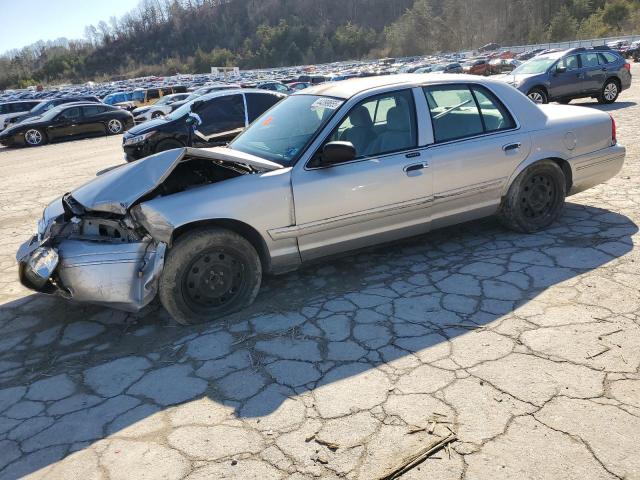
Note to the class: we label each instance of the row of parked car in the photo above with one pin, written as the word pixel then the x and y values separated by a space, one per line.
pixel 156 119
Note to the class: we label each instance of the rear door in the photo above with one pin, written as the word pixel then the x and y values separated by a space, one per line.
pixel 477 144
pixel 93 120
pixel 221 119
pixel 594 72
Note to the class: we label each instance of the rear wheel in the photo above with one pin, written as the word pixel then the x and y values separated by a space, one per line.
pixel 114 126
pixel 538 95
pixel 168 145
pixel 34 137
pixel 610 92
pixel 209 273
pixel 535 199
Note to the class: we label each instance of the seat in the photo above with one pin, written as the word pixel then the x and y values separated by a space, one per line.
pixel 397 134
pixel 361 133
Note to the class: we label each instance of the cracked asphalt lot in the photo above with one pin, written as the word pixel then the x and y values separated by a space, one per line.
pixel 526 346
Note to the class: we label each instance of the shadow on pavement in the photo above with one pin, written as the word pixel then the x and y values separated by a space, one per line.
pixel 74 374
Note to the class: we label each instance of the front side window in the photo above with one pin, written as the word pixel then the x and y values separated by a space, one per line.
pixel 461 111
pixel 589 60
pixel 282 133
pixel 70 114
pixel 570 62
pixel 379 125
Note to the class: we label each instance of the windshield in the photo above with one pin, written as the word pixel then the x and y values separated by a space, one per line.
pixel 42 107
pixel 51 113
pixel 536 65
pixel 281 133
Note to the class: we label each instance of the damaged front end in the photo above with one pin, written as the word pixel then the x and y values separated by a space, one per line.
pixel 96 244
pixel 91 257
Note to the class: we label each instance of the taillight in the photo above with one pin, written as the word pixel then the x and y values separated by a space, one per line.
pixel 614 140
pixel 627 65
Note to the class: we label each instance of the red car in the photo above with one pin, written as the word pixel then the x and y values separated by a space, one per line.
pixel 477 67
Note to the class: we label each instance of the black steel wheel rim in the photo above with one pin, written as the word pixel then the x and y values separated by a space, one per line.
pixel 213 280
pixel 539 196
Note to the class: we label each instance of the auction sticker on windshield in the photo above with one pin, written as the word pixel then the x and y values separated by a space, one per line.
pixel 324 102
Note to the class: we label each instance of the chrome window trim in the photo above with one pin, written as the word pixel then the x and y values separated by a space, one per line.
pixel 482 135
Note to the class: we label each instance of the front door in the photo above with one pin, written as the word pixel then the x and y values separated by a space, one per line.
pixel 381 195
pixel 569 82
pixel 65 124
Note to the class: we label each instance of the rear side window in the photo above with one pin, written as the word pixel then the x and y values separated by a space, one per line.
pixel 458 111
pixel 609 57
pixel 90 111
pixel 589 60
pixel 454 113
pixel 495 115
pixel 258 103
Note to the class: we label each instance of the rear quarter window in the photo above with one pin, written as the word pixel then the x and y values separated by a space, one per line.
pixel 609 57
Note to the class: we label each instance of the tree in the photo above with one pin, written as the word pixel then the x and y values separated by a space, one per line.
pixel 563 26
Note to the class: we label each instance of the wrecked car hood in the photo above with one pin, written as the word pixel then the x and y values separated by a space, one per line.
pixel 118 189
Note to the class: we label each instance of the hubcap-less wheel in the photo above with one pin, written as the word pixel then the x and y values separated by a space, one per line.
pixel 115 126
pixel 538 196
pixel 33 137
pixel 610 92
pixel 214 279
pixel 536 97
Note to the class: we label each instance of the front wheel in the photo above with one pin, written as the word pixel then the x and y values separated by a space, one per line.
pixel 34 137
pixel 537 95
pixel 535 199
pixel 209 273
pixel 610 92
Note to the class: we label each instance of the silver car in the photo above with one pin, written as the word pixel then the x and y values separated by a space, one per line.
pixel 333 168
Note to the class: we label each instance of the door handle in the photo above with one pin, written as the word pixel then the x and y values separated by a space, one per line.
pixel 511 146
pixel 415 166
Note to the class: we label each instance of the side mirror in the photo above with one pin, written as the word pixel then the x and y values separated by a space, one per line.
pixel 560 69
pixel 191 120
pixel 338 152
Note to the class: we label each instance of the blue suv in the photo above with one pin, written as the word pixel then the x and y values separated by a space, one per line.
pixel 564 75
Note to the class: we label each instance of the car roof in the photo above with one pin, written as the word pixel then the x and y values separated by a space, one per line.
pixel 349 88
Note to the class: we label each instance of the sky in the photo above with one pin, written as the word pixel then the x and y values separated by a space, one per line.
pixel 23 22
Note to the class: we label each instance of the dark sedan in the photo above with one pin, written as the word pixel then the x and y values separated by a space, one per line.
pixel 208 121
pixel 68 121
pixel 47 105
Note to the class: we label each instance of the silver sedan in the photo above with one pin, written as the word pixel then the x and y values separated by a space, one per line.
pixel 333 168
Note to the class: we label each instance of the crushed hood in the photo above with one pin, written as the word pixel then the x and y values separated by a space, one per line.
pixel 119 188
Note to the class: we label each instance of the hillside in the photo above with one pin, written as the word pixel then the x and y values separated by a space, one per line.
pixel 168 36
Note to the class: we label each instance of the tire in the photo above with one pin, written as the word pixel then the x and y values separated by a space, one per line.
pixel 168 145
pixel 535 199
pixel 209 273
pixel 114 126
pixel 538 95
pixel 34 137
pixel 610 92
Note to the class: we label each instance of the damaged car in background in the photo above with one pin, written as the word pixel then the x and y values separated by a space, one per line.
pixel 332 168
